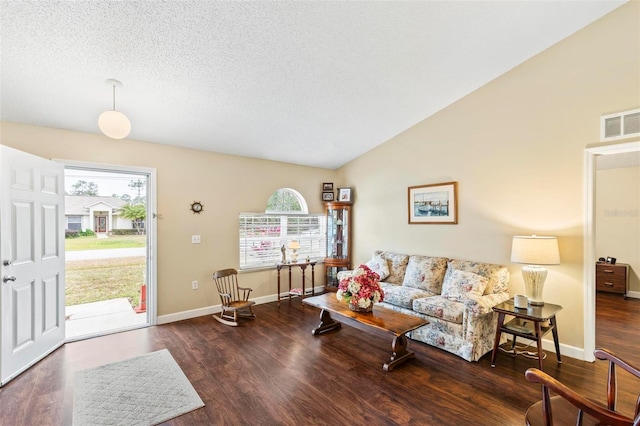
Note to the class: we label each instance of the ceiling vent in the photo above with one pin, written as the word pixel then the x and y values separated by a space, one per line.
pixel 620 125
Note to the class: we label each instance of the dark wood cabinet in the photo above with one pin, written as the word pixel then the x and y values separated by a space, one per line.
pixel 612 278
pixel 338 241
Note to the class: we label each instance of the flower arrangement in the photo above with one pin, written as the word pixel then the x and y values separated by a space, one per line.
pixel 360 288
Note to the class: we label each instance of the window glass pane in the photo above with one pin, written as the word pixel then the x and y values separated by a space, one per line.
pixel 74 223
pixel 263 235
pixel 632 123
pixel 286 200
pixel 612 127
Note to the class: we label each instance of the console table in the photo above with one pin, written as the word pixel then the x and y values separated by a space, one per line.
pixel 303 266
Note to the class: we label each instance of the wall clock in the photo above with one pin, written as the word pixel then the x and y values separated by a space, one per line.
pixel 196 207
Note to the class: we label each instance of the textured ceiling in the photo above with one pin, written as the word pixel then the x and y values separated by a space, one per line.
pixel 313 83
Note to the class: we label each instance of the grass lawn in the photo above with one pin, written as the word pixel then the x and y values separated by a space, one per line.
pixel 104 279
pixel 113 242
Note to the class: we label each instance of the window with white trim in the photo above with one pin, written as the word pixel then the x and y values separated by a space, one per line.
pixel 74 223
pixel 286 218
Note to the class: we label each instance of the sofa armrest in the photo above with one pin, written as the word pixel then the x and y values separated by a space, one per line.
pixel 481 305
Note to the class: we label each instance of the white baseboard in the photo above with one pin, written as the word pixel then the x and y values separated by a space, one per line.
pixel 547 345
pixel 633 294
pixel 210 310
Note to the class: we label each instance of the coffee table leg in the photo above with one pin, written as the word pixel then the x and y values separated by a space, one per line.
pixel 326 324
pixel 399 354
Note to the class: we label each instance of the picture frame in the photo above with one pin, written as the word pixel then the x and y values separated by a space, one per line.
pixel 327 186
pixel 433 204
pixel 344 195
pixel 328 196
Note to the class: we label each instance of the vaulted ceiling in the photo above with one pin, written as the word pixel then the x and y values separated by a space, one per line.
pixel 312 83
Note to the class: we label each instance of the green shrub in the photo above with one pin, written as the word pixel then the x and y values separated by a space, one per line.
pixel 87 233
pixel 69 233
pixel 125 231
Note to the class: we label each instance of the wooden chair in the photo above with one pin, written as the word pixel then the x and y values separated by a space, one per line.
pixel 571 408
pixel 235 299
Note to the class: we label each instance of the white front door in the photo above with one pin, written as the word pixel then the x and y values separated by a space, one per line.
pixel 32 260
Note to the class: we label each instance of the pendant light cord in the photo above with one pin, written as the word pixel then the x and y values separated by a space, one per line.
pixel 114 97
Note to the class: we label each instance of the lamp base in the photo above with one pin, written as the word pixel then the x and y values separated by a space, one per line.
pixel 534 277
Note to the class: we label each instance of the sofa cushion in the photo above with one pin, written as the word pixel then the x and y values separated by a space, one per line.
pixel 379 265
pixel 397 265
pixel 426 273
pixel 402 296
pixel 457 284
pixel 498 275
pixel 440 307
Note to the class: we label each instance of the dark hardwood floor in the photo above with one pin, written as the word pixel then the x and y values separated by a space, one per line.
pixel 272 371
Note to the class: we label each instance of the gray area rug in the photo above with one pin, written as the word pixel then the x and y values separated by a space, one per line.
pixel 145 390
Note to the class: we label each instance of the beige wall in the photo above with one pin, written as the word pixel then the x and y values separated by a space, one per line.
pixel 226 185
pixel 515 146
pixel 516 149
pixel 617 217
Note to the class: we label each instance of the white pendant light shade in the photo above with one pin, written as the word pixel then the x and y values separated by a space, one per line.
pixel 114 124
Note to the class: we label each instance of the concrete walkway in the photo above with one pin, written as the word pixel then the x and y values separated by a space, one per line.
pixel 105 253
pixel 91 319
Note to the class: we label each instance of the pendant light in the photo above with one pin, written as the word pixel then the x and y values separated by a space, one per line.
pixel 113 123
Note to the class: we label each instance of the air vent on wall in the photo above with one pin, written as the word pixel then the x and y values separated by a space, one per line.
pixel 620 125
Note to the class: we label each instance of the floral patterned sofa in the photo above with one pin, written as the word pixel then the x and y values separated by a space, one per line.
pixel 455 296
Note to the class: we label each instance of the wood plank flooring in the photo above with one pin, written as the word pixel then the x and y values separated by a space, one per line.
pixel 272 371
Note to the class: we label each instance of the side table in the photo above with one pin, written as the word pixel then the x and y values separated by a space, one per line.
pixel 303 267
pixel 527 324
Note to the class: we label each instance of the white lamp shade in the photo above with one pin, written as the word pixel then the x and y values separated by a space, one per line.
pixel 114 124
pixel 535 250
pixel 294 245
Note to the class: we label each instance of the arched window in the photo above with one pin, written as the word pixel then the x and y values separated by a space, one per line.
pixel 286 219
pixel 286 200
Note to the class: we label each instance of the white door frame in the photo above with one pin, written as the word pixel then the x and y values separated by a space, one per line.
pixel 589 258
pixel 152 229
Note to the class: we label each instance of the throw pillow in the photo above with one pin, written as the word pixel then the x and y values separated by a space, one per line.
pixel 379 265
pixel 459 283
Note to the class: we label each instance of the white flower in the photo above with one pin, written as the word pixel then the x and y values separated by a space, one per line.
pixel 364 303
pixel 339 294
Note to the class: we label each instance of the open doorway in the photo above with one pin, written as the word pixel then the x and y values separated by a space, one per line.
pixel 591 255
pixel 108 262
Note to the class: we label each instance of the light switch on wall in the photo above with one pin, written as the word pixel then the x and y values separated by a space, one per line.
pixel 195 239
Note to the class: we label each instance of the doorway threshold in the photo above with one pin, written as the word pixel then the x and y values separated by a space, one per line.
pixel 97 318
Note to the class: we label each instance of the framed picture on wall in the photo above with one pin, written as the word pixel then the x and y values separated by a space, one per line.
pixel 327 186
pixel 433 204
pixel 344 195
pixel 327 196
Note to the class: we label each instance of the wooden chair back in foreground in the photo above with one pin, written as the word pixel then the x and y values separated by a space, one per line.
pixel 235 299
pixel 570 408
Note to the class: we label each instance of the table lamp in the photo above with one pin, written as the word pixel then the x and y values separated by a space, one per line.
pixel 294 245
pixel 535 251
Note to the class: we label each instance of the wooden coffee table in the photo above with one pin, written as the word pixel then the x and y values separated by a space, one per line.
pixel 381 321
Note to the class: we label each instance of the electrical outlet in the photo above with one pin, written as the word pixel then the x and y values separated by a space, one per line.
pixel 195 239
pixel 194 285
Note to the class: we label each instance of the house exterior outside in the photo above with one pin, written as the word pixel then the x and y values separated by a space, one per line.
pixel 98 214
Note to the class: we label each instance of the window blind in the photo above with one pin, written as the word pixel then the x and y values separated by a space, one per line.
pixel 263 235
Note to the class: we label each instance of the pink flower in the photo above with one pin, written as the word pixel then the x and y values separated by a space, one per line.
pixel 360 287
